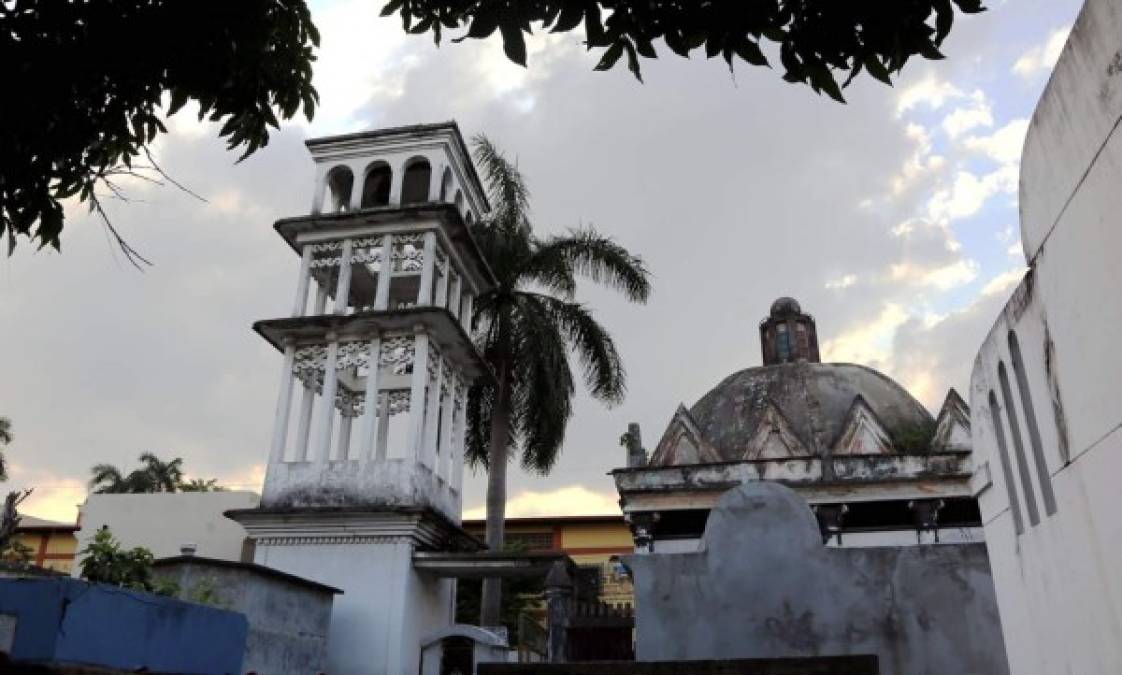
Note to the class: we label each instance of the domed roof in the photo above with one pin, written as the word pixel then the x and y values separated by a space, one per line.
pixel 785 306
pixel 816 403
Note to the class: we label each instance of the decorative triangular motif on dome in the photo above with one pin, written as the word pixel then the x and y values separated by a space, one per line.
pixel 682 443
pixel 774 438
pixel 863 433
pixel 952 426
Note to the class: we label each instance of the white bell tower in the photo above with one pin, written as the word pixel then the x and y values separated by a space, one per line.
pixel 367 452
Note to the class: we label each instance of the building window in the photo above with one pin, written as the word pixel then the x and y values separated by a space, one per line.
pixel 532 541
pixel 1018 445
pixel 376 187
pixel 783 343
pixel 1006 467
pixel 415 181
pixel 1042 473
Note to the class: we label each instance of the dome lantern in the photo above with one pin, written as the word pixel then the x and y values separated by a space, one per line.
pixel 788 335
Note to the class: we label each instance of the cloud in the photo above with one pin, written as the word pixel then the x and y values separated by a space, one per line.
pixel 976 113
pixel 571 500
pixel 1043 57
pixel 842 282
pixel 930 92
pixel 1004 145
pixel 867 342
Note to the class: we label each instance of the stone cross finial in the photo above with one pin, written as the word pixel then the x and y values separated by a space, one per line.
pixel 631 439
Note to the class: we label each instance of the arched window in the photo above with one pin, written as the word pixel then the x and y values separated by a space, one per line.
pixel 1042 473
pixel 1018 445
pixel 415 181
pixel 340 180
pixel 459 201
pixel 1006 467
pixel 376 187
pixel 446 184
pixel 469 218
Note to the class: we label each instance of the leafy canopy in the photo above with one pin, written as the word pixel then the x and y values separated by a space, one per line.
pixel 817 39
pixel 86 86
pixel 106 562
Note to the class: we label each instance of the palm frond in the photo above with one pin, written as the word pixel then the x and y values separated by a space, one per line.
pixel 597 257
pixel 507 190
pixel 601 363
pixel 106 478
pixel 543 383
pixel 5 431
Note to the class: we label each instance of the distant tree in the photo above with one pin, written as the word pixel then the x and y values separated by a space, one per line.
pixel 5 438
pixel 97 79
pixel 105 562
pixel 818 42
pixel 154 475
pixel 201 485
pixel 527 328
pixel 9 521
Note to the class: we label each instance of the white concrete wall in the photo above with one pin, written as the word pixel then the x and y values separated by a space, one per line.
pixel 1058 582
pixel 386 610
pixel 162 523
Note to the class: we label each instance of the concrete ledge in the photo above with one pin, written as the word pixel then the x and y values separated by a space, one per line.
pixel 824 665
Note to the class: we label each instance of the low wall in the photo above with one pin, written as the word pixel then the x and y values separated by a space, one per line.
pixel 764 586
pixel 64 621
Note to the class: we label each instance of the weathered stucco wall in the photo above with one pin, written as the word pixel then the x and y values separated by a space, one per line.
pixel 764 586
pixel 1050 498
pixel 288 620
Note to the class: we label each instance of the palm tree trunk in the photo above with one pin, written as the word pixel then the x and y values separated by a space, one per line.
pixel 492 594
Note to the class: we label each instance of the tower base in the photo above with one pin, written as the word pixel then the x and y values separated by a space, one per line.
pixel 387 607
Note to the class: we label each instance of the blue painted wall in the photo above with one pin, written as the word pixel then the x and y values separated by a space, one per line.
pixel 63 620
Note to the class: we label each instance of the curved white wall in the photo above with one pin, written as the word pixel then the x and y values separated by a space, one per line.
pixel 1059 581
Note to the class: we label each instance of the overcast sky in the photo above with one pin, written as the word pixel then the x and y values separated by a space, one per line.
pixel 892 219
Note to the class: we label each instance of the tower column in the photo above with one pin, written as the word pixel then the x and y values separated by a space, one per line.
pixel 343 287
pixel 417 394
pixel 284 404
pixel 396 178
pixel 344 437
pixel 428 269
pixel 444 453
pixel 382 294
pixel 370 416
pixel 327 401
pixel 301 303
pixel 454 299
pixel 465 319
pixel 457 449
pixel 432 418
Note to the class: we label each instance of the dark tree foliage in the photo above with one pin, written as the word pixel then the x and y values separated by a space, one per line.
pixel 85 84
pixel 820 41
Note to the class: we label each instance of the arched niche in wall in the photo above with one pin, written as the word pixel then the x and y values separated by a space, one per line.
pixel 415 181
pixel 376 187
pixel 339 183
pixel 459 201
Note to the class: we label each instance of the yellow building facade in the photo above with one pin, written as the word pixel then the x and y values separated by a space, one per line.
pixel 593 542
pixel 50 544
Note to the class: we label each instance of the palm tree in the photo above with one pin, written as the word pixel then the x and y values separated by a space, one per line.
pixel 5 438
pixel 201 485
pixel 526 328
pixel 154 475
